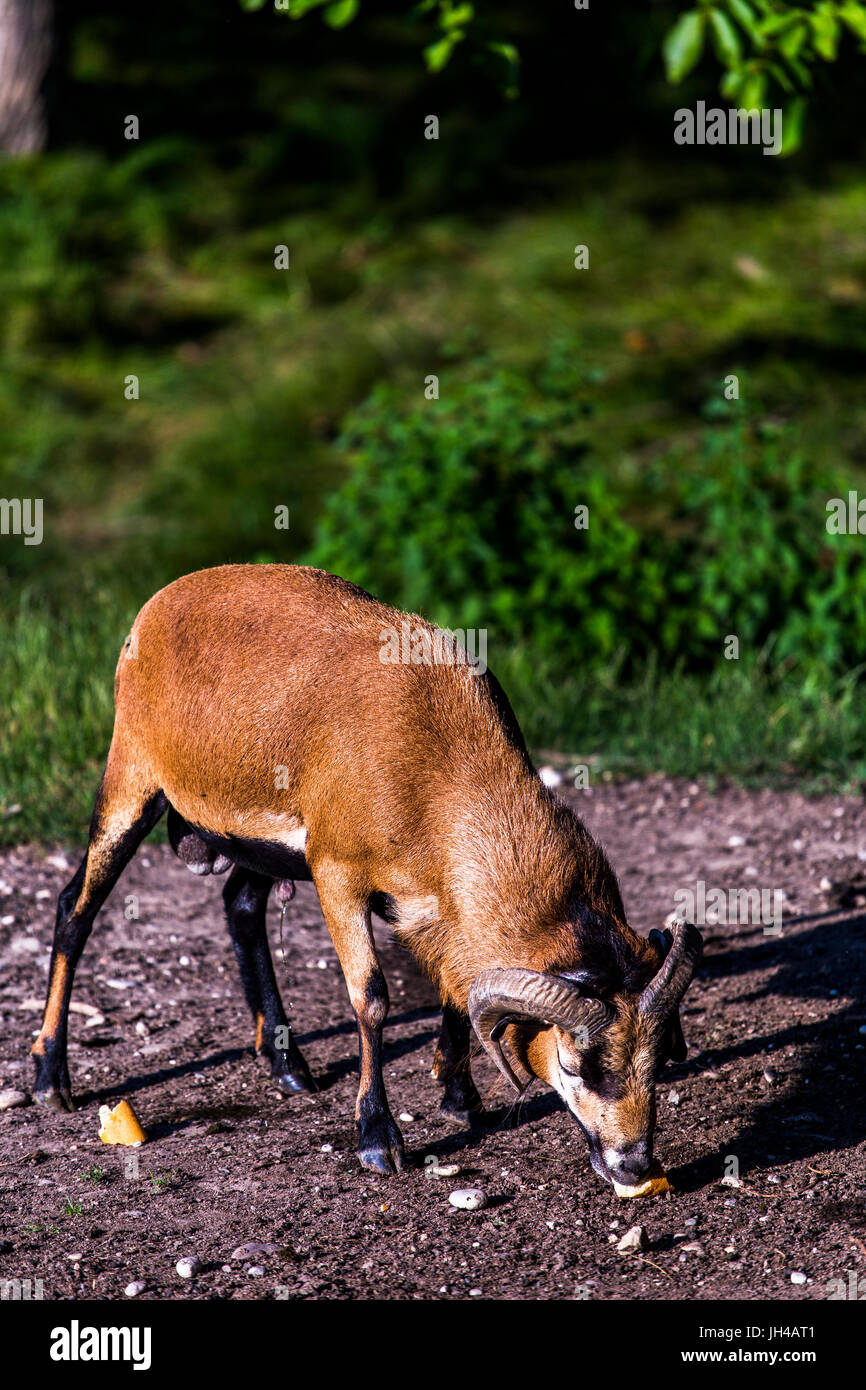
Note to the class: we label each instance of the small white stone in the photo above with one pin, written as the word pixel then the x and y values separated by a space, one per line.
pixel 825 885
pixel 256 1271
pixel 142 1029
pixel 188 1267
pixel 42 893
pixel 135 1288
pixel 475 1293
pixel 327 1149
pixel 633 1241
pixel 58 861
pixel 673 1097
pixel 468 1198
pixel 252 1248
pixel 442 1170
pixel 183 960
pixel 798 1278
pixel 734 841
pixel 407 1118
pixel 10 1099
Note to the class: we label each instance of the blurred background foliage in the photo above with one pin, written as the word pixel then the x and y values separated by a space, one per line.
pixel 558 388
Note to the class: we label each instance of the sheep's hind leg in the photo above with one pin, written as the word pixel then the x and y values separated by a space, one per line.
pixel 246 896
pixel 125 812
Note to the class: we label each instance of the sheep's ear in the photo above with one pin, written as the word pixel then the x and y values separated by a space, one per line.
pixel 662 940
pixel 679 1050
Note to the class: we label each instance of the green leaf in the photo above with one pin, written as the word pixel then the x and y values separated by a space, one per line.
pixel 752 92
pixel 745 15
pixel 338 15
pixel 781 77
pixel 511 57
pixel 252 4
pixel 730 84
pixel 683 45
pixel 725 39
pixel 793 120
pixel 825 27
pixel 506 51
pixel 779 23
pixel 454 18
pixel 801 72
pixel 792 40
pixel 298 8
pixel 854 16
pixel 437 54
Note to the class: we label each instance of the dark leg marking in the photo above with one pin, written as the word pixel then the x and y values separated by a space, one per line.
pixel 77 906
pixel 246 896
pixel 380 1143
pixel 451 1066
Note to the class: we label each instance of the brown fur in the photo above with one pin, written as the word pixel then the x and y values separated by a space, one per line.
pixel 253 699
pixel 407 778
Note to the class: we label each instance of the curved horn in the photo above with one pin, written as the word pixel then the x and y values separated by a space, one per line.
pixel 667 987
pixel 500 997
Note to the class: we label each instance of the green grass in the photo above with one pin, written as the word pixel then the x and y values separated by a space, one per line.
pixel 739 721
pixel 247 372
pixel 152 266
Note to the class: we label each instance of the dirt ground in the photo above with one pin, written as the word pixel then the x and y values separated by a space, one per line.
pixel 774 1080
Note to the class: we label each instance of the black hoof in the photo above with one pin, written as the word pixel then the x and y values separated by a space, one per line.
pixel 295 1082
pixel 461 1100
pixel 54 1100
pixel 380 1148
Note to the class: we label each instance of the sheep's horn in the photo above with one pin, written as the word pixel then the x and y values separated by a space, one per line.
pixel 682 949
pixel 500 997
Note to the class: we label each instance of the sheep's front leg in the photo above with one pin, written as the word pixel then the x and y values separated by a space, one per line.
pixel 451 1066
pixel 346 909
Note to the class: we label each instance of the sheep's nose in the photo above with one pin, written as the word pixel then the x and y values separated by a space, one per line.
pixel 629 1164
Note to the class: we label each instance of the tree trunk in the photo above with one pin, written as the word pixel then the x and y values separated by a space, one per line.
pixel 25 50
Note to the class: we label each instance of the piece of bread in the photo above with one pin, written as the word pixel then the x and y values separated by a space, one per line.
pixel 120 1125
pixel 655 1183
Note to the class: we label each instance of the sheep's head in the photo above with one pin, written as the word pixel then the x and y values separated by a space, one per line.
pixel 602 1049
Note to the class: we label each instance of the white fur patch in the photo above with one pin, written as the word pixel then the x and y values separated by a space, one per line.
pixel 295 839
pixel 415 913
pixel 270 825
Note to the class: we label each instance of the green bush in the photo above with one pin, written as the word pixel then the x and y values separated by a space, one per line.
pixel 464 508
